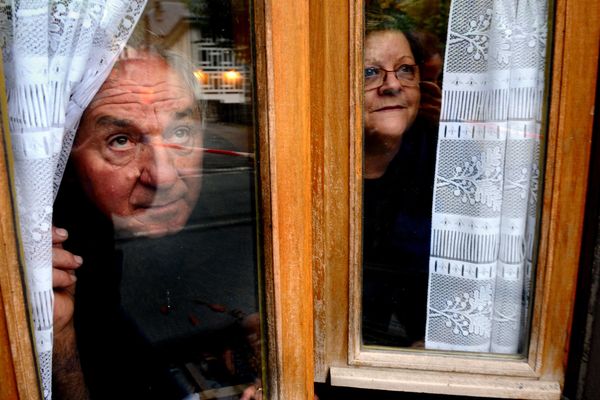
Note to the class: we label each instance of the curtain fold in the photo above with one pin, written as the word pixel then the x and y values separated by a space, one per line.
pixel 56 56
pixel 486 182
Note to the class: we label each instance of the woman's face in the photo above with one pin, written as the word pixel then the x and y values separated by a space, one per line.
pixel 391 108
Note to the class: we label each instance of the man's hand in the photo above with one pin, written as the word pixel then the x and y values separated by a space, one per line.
pixel 68 382
pixel 64 264
pixel 252 392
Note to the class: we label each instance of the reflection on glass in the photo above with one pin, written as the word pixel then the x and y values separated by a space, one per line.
pixel 158 200
pixel 401 112
pixel 451 188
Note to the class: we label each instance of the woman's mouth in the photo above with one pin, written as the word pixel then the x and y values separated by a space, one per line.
pixel 390 108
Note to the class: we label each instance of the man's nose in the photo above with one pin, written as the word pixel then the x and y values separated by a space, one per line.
pixel 158 166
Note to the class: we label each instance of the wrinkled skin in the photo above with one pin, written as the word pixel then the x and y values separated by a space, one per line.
pixel 138 149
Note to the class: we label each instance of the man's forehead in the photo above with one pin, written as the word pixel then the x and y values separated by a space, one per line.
pixel 147 73
pixel 144 82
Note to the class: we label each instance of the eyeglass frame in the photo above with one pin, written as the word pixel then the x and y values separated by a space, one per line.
pixel 404 82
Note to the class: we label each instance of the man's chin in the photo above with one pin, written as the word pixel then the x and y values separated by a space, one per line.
pixel 130 227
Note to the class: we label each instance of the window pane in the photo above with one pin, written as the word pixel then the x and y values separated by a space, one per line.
pixel 451 177
pixel 159 201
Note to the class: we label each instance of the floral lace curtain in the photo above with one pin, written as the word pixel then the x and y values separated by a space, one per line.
pixel 56 56
pixel 486 183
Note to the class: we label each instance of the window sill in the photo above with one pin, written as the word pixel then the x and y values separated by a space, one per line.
pixel 445 383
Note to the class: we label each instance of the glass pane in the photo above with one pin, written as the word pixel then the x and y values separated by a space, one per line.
pixel 452 120
pixel 159 201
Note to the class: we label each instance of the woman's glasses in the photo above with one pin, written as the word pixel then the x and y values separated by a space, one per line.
pixel 407 74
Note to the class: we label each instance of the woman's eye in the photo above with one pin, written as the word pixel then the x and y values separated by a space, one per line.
pixel 371 72
pixel 120 142
pixel 406 70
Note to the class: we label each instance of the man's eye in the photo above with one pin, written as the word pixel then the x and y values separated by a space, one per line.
pixel 371 72
pixel 120 142
pixel 181 136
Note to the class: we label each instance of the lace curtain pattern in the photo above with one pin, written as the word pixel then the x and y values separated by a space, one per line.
pixel 56 56
pixel 487 172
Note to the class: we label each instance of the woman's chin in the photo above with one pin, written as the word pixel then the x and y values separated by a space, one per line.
pixel 388 138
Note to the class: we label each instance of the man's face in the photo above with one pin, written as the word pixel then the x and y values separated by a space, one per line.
pixel 138 149
pixel 391 108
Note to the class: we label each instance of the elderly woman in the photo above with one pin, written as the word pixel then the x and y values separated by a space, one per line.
pixel 400 126
pixel 392 97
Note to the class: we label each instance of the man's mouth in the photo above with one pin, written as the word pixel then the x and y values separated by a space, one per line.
pixel 160 213
pixel 161 206
pixel 153 220
pixel 158 199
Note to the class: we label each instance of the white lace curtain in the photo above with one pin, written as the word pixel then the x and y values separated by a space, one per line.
pixel 56 55
pixel 486 182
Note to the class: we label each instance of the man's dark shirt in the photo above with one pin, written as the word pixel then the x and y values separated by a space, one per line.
pixel 155 317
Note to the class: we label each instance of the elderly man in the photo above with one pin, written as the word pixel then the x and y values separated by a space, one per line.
pixel 138 152
pixel 135 175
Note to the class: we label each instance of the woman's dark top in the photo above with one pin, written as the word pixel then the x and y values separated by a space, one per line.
pixel 396 241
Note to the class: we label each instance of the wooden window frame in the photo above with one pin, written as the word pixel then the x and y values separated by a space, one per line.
pixel 284 153
pixel 308 54
pixel 337 215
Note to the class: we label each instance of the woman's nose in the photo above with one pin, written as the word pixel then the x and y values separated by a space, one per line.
pixel 391 84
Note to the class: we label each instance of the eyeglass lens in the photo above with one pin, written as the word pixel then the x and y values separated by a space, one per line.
pixel 406 74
